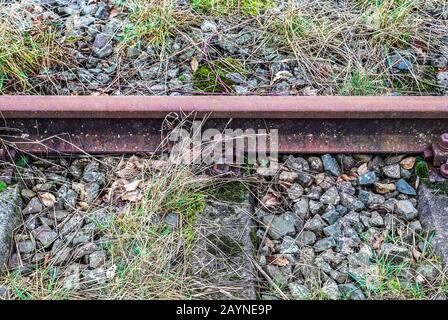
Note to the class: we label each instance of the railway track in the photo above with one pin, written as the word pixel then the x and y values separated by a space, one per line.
pixel 305 124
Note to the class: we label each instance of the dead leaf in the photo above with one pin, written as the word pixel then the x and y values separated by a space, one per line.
pixel 83 205
pixel 269 243
pixel 278 260
pixel 114 12
pixel 417 254
pixel 133 196
pixel 79 189
pixel 309 92
pixel 347 177
pixel 270 200
pixel 194 64
pixel 132 186
pixel 281 75
pixel 47 199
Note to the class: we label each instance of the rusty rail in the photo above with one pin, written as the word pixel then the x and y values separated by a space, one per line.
pixel 107 124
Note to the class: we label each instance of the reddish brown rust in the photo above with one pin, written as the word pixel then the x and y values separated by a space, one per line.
pixel 224 107
pixel 305 124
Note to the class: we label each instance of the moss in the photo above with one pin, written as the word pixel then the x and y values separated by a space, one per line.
pixel 225 244
pixel 254 238
pixel 205 78
pixel 220 7
pixel 422 169
pixel 234 191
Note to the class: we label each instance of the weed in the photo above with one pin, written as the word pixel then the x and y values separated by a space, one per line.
pixel 212 78
pixel 23 52
pixel 221 7
pixel 362 84
pixel 150 22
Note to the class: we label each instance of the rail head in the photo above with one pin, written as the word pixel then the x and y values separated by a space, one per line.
pixel 273 107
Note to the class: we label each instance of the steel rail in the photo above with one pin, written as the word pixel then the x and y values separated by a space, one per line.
pixel 273 107
pixel 105 124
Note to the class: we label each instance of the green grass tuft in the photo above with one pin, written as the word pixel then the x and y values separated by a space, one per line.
pixel 222 7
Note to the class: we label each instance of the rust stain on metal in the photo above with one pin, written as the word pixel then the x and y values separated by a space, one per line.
pixel 223 107
pixel 305 124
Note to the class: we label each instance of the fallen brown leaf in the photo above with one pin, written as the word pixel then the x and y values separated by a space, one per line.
pixel 47 199
pixel 278 260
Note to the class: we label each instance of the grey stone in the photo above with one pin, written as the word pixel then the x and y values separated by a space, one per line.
pixel 315 193
pixel 367 178
pixel 316 207
pixel 406 209
pixel 148 73
pixel 92 191
pixel 236 78
pixel 299 291
pixel 97 259
pixel 316 164
pixel 347 162
pixel 172 220
pixel 86 21
pixel 27 194
pixel 34 206
pixel 288 246
pixel 405 188
pixel 209 26
pixel 315 224
pixel 433 214
pixel 402 60
pixel 324 244
pixel 306 238
pixel 392 171
pixel 369 198
pixel 394 253
pixel 101 46
pixel 346 187
pixel 331 165
pixel 376 220
pixel 333 231
pixel 93 174
pixel 389 204
pixel 45 235
pixel 331 290
pixel 93 278
pixel 281 276
pixel 27 246
pixel 10 205
pixel 73 278
pixel 301 208
pixel 297 164
pixel 416 226
pixel 295 191
pixel 428 272
pixel 305 179
pixel 350 202
pixel 331 196
pixel 85 250
pixel 331 216
pixel 279 226
pixel 351 292
pixel 73 224
pixel 376 164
